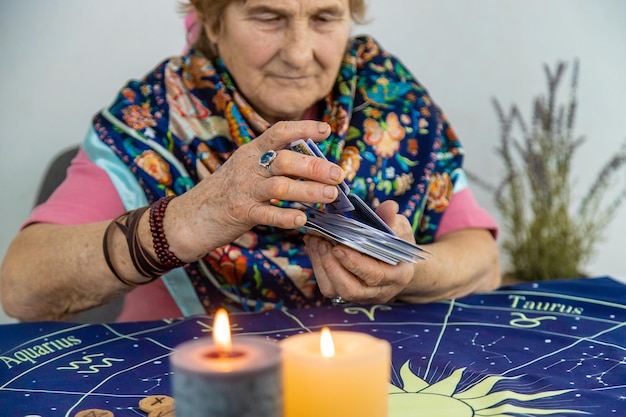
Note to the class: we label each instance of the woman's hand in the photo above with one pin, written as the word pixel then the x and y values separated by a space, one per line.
pixel 342 271
pixel 238 195
pixel 461 262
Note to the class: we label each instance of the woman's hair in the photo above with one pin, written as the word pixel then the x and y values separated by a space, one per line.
pixel 210 12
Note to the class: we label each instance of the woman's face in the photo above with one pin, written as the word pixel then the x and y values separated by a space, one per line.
pixel 284 55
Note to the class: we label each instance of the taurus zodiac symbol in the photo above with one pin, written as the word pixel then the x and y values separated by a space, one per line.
pixel 528 322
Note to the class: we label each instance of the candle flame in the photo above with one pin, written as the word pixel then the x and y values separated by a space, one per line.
pixel 221 331
pixel 327 346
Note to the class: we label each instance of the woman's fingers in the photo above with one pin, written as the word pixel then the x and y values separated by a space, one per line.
pixel 288 169
pixel 296 165
pixel 318 249
pixel 269 215
pixel 342 271
pixel 372 273
pixel 283 188
pixel 334 279
pixel 388 212
pixel 281 134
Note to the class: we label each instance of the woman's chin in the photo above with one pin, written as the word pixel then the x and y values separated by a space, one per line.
pixel 286 113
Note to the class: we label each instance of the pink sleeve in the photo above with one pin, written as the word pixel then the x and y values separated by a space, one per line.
pixel 463 212
pixel 149 302
pixel 87 195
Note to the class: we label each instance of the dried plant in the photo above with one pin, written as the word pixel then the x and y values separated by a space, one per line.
pixel 544 234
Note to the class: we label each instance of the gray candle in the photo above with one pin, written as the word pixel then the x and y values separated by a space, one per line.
pixel 245 381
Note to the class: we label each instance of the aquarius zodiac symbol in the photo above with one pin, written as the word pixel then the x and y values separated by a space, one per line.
pixel 93 369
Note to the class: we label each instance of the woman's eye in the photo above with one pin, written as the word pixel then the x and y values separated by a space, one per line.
pixel 268 17
pixel 326 18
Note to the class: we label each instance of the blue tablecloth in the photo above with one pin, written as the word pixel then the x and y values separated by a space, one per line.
pixel 553 348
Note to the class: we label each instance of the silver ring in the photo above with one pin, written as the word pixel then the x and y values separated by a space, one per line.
pixel 337 300
pixel 266 160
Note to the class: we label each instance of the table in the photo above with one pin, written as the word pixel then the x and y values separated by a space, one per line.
pixel 553 348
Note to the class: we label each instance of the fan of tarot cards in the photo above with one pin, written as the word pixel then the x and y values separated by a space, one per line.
pixel 350 221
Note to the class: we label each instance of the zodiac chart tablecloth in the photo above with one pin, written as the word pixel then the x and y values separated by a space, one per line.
pixel 555 348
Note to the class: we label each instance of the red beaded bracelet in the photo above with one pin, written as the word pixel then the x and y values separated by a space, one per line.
pixel 159 241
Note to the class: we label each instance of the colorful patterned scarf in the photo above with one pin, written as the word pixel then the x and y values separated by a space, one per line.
pixel 185 118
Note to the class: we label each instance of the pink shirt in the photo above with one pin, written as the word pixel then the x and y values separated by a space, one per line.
pixel 87 195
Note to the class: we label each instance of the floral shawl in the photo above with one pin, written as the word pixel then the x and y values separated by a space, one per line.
pixel 184 119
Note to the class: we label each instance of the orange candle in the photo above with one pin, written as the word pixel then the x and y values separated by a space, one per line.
pixel 335 374
pixel 227 377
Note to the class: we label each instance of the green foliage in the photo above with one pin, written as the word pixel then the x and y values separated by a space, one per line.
pixel 545 235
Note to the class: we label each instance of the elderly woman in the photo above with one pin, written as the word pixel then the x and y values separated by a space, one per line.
pixel 169 201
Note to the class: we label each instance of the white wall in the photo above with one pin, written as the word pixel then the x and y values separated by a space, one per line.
pixel 62 60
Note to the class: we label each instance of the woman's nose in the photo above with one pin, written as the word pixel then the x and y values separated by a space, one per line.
pixel 298 45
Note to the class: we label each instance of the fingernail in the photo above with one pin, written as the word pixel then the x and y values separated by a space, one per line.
pixel 300 221
pixel 335 173
pixel 323 248
pixel 322 127
pixel 339 253
pixel 329 191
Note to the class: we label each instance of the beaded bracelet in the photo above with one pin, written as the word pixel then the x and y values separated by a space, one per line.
pixel 159 241
pixel 143 262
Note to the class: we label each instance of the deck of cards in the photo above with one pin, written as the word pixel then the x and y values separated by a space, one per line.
pixel 350 221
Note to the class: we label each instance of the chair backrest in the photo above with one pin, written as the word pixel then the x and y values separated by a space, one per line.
pixel 55 174
pixel 53 177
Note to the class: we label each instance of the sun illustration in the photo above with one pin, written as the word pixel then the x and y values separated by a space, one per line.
pixel 440 400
